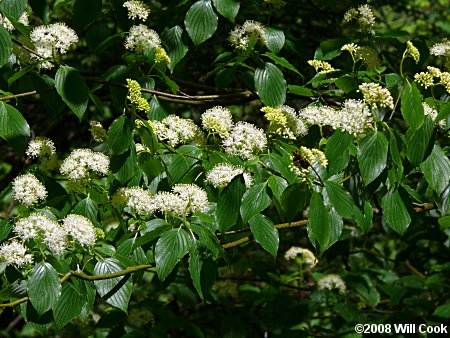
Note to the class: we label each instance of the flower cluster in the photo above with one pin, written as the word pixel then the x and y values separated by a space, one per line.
pixel 441 49
pixel 311 157
pixel 80 229
pixel 14 253
pixel 321 67
pixel 4 21
pixel 245 140
pixel 250 32
pixel 39 226
pixel 136 199
pixel 412 51
pixel 331 282
pixel 52 39
pixel 352 48
pixel 375 95
pixel 28 190
pixel 141 38
pixel 97 131
pixel 176 130
pixel 217 120
pixel 434 76
pixel 77 165
pixel 222 174
pixel 433 114
pixel 353 116
pixel 182 201
pixel 285 122
pixel 136 9
pixel 363 15
pixel 307 257
pixel 135 96
pixel 161 55
pixel 45 150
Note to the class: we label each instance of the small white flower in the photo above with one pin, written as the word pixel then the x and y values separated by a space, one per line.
pixel 182 201
pixel 245 140
pixel 135 198
pixel 307 257
pixel 177 131
pixel 285 122
pixel 77 165
pixel 432 113
pixel 28 190
pixel 331 282
pixel 136 9
pixel 217 120
pixel 354 117
pixel 250 31
pixel 140 38
pixel 43 148
pixel 374 94
pixel 222 174
pixel 441 49
pixel 14 253
pixel 4 21
pixel 80 229
pixel 52 39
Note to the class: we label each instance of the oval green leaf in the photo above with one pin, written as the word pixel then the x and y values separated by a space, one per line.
pixel 174 45
pixel 436 169
pixel 227 8
pixel 411 106
pixel 265 233
pixel 72 88
pixel 395 212
pixel 270 85
pixel 69 305
pixel 275 39
pixel 201 21
pixel 6 43
pixel 44 287
pixel 119 136
pixel 372 156
pixel 254 201
pixel 14 129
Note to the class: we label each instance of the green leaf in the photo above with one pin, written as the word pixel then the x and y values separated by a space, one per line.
pixel 228 206
pixel 86 11
pixel 300 90
pixel 72 88
pixel 125 166
pixel 170 248
pixel 14 129
pixel 436 169
pixel 419 142
pixel 294 200
pixel 275 39
pixel 119 136
pixel 202 268
pixel 411 107
pixel 277 184
pixel 265 233
pixel 254 201
pixel 201 21
pixel 372 156
pixel 43 287
pixel 87 208
pixel 442 311
pixel 340 199
pixel 68 306
pixel 174 46
pixel 151 230
pixel 270 85
pixel 13 8
pixel 444 222
pixel 337 151
pixel 115 291
pixel 40 8
pixel 227 8
pixel 281 61
pixel 5 228
pixel 443 114
pixel 6 43
pixel 395 212
pixel 364 220
pixel 347 83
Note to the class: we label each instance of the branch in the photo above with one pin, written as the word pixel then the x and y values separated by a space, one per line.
pixel 34 92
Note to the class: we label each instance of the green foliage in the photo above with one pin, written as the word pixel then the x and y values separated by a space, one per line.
pixel 252 185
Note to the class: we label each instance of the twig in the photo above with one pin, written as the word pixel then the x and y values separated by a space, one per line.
pixel 413 269
pixel 34 92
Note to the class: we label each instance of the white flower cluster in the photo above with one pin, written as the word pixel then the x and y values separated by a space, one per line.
pixel 80 229
pixel 141 38
pixel 433 114
pixel 136 9
pixel 6 23
pixel 354 116
pixel 52 39
pixel 136 198
pixel 14 253
pixel 441 49
pixel 217 120
pixel 222 174
pixel 363 15
pixel 430 78
pixel 250 32
pixel 39 226
pixel 177 131
pixel 27 189
pixel 77 165
pixel 97 131
pixel 375 95
pixel 43 148
pixel 182 201
pixel 331 282
pixel 285 121
pixel 307 257
pixel 245 140
pixel 321 67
